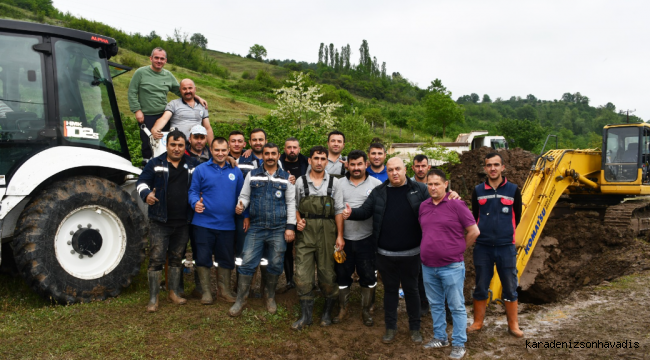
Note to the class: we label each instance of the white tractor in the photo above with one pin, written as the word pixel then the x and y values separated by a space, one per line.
pixel 68 207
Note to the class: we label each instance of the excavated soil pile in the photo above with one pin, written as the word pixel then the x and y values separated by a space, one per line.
pixel 575 249
pixel 469 172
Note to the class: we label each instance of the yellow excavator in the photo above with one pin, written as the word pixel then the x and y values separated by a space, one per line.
pixel 616 179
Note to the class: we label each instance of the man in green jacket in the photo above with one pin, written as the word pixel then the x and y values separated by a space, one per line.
pixel 148 95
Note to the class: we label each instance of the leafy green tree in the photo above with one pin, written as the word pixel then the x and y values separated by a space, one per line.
pixel 442 111
pixel 526 112
pixel 474 98
pixel 435 87
pixel 486 99
pixel 528 135
pixel 199 40
pixel 331 64
pixel 531 98
pixel 358 134
pixel 257 51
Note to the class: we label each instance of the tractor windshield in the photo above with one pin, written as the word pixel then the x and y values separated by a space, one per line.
pixel 86 111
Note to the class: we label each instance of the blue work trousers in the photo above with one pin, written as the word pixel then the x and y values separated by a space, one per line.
pixel 220 243
pixel 505 259
pixel 446 282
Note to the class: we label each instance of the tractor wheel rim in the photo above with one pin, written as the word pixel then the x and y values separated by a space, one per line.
pixel 90 242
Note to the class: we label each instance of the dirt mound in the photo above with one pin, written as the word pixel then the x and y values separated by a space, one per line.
pixel 469 172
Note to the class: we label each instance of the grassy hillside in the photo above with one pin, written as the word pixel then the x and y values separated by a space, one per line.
pixel 224 106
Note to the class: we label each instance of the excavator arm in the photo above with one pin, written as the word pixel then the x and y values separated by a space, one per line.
pixel 555 173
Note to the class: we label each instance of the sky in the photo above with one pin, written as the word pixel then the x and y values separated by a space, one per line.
pixel 500 48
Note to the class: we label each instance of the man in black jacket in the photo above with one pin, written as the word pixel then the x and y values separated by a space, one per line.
pixel 296 164
pixel 395 206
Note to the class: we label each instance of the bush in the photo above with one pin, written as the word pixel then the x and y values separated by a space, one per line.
pixel 245 75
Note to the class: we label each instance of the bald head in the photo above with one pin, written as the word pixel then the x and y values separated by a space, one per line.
pixel 188 90
pixel 396 171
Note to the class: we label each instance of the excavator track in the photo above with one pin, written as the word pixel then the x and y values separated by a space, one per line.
pixel 631 214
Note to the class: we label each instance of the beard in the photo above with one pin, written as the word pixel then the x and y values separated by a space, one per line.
pixel 292 157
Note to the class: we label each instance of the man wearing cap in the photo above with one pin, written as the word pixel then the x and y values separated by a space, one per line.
pixel 148 95
pixel 184 113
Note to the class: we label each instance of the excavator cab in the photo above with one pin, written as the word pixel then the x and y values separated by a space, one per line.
pixel 626 155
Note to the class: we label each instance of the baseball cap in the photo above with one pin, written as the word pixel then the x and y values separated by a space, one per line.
pixel 198 130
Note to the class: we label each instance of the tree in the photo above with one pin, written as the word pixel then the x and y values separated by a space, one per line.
pixel 528 135
pixel 257 51
pixel 474 98
pixel 326 56
pixel 332 65
pixel 531 98
pixel 442 111
pixel 526 112
pixel 486 98
pixel 436 87
pixel 299 102
pixel 199 40
pixel 320 53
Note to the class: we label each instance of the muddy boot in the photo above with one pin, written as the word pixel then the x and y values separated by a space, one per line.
pixel 479 315
pixel 344 300
pixel 271 283
pixel 243 288
pixel 513 322
pixel 197 293
pixel 154 289
pixel 223 284
pixel 180 290
pixel 326 319
pixel 204 284
pixel 307 308
pixel 263 275
pixel 367 296
pixel 174 278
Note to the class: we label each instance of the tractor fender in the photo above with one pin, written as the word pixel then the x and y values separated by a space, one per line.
pixel 47 164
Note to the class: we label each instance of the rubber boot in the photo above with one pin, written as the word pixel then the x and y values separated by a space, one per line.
pixel 513 321
pixel 307 307
pixel 479 315
pixel 326 319
pixel 223 283
pixel 180 290
pixel 271 283
pixel 243 288
pixel 174 278
pixel 344 300
pixel 204 284
pixel 367 297
pixel 154 289
pixel 197 293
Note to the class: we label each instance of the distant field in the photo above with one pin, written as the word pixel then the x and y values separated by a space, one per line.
pixel 237 65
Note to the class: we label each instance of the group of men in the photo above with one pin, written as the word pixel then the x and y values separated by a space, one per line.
pixel 260 206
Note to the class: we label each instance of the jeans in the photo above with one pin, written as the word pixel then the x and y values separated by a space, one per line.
pixel 149 121
pixel 505 258
pixel 166 241
pixel 405 270
pixel 446 282
pixel 219 243
pixel 360 255
pixel 267 243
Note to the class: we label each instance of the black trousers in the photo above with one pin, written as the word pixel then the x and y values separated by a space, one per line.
pixel 405 270
pixel 288 262
pixel 149 121
pixel 360 255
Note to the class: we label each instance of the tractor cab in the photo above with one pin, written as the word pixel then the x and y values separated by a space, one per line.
pixel 55 89
pixel 626 154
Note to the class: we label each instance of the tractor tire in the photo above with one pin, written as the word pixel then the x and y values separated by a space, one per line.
pixel 79 240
